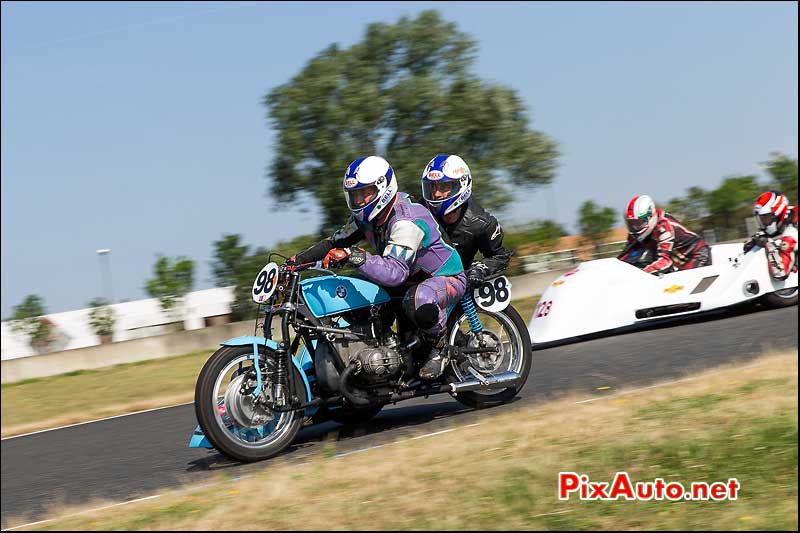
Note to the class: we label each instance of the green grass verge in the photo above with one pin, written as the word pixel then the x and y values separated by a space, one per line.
pixel 82 395
pixel 501 474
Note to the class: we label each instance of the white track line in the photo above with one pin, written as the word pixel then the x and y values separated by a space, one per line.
pixel 550 514
pixel 433 434
pixel 153 497
pixel 86 511
pixel 98 420
pixel 360 450
pixel 207 485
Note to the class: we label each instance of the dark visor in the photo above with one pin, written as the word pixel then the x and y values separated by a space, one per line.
pixel 635 225
pixel 766 220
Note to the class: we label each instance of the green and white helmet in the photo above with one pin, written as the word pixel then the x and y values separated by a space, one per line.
pixel 641 217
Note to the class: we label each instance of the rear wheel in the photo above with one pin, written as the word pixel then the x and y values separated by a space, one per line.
pixel 781 298
pixel 505 329
pixel 233 422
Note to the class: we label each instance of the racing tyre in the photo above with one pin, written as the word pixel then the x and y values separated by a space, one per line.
pixel 505 328
pixel 231 421
pixel 781 298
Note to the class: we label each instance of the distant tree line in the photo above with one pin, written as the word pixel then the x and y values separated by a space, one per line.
pixel 726 207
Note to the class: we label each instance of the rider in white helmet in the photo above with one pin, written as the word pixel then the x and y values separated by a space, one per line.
pixel 674 246
pixel 447 191
pixel 412 255
pixel 778 234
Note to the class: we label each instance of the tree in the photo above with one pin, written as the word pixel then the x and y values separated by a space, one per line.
pixel 404 92
pixel 730 203
pixel 696 205
pixel 171 282
pixel 535 237
pixel 783 170
pixel 228 258
pixel 243 307
pixel 101 318
pixel 538 235
pixel 692 210
pixel 595 222
pixel 27 320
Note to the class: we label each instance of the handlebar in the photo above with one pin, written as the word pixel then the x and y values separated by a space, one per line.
pixel 297 268
pixel 314 265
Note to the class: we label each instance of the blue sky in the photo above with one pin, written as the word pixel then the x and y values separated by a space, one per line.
pixel 139 126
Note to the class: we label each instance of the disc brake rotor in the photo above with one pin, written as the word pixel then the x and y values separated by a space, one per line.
pixel 242 408
pixel 487 362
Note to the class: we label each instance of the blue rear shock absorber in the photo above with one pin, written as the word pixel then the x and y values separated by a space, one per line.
pixel 472 314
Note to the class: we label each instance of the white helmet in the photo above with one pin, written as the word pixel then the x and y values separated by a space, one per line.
pixel 370 186
pixel 641 217
pixel 772 210
pixel 446 184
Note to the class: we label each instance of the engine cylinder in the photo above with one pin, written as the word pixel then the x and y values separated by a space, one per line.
pixel 380 362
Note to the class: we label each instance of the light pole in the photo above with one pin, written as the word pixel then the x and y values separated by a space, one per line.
pixel 106 273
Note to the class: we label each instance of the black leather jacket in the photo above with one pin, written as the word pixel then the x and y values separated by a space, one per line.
pixel 478 231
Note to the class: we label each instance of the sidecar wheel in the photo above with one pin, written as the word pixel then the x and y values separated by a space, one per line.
pixel 781 298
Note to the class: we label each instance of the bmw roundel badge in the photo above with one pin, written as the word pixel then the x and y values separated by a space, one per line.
pixel 341 292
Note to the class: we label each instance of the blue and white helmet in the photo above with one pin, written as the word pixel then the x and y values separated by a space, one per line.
pixel 370 186
pixel 446 184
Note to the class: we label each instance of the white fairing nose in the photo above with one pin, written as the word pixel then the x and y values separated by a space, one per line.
pixel 606 294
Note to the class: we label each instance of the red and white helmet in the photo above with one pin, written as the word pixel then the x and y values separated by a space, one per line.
pixel 641 217
pixel 772 210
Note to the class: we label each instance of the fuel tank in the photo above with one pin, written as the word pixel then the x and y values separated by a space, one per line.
pixel 331 295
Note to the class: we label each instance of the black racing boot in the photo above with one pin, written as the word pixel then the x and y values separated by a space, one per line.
pixel 437 359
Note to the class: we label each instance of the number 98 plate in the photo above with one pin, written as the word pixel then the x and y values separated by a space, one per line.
pixel 493 294
pixel 265 283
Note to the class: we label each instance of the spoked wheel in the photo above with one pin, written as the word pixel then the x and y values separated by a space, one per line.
pixel 233 421
pixel 504 329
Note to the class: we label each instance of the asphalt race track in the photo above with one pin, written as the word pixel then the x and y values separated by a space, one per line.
pixel 135 456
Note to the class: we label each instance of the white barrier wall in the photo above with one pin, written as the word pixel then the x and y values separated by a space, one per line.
pixel 133 320
pixel 156 347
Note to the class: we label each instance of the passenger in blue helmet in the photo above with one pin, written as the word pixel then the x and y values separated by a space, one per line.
pixel 447 191
pixel 412 255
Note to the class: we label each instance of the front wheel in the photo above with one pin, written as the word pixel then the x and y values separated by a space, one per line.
pixel 508 331
pixel 235 424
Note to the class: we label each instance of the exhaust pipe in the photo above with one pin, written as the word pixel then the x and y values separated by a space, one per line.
pixel 506 379
pixel 354 396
